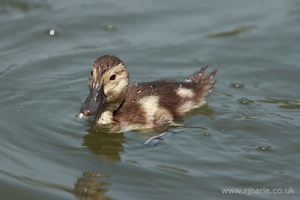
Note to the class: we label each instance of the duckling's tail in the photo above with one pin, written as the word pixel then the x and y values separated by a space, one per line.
pixel 204 81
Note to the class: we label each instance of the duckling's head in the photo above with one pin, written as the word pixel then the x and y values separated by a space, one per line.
pixel 107 84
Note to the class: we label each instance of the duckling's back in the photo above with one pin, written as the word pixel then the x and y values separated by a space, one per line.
pixel 157 103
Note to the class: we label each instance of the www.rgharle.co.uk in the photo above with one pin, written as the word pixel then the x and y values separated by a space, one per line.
pixel 263 190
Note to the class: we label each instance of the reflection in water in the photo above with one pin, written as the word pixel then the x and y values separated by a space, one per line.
pixel 91 186
pixel 106 145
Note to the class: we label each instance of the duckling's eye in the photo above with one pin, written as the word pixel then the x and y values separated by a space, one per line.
pixel 91 74
pixel 112 77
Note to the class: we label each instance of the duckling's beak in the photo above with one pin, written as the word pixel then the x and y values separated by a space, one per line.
pixel 95 99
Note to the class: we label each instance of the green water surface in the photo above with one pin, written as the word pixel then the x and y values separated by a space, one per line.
pixel 249 136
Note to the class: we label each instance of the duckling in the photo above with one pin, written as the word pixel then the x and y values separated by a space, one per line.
pixel 119 106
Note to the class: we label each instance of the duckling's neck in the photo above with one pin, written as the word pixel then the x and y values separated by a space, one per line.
pixel 106 117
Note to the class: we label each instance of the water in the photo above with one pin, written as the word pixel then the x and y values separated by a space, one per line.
pixel 248 135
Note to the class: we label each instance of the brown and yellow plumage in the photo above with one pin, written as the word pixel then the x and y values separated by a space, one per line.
pixel 115 104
